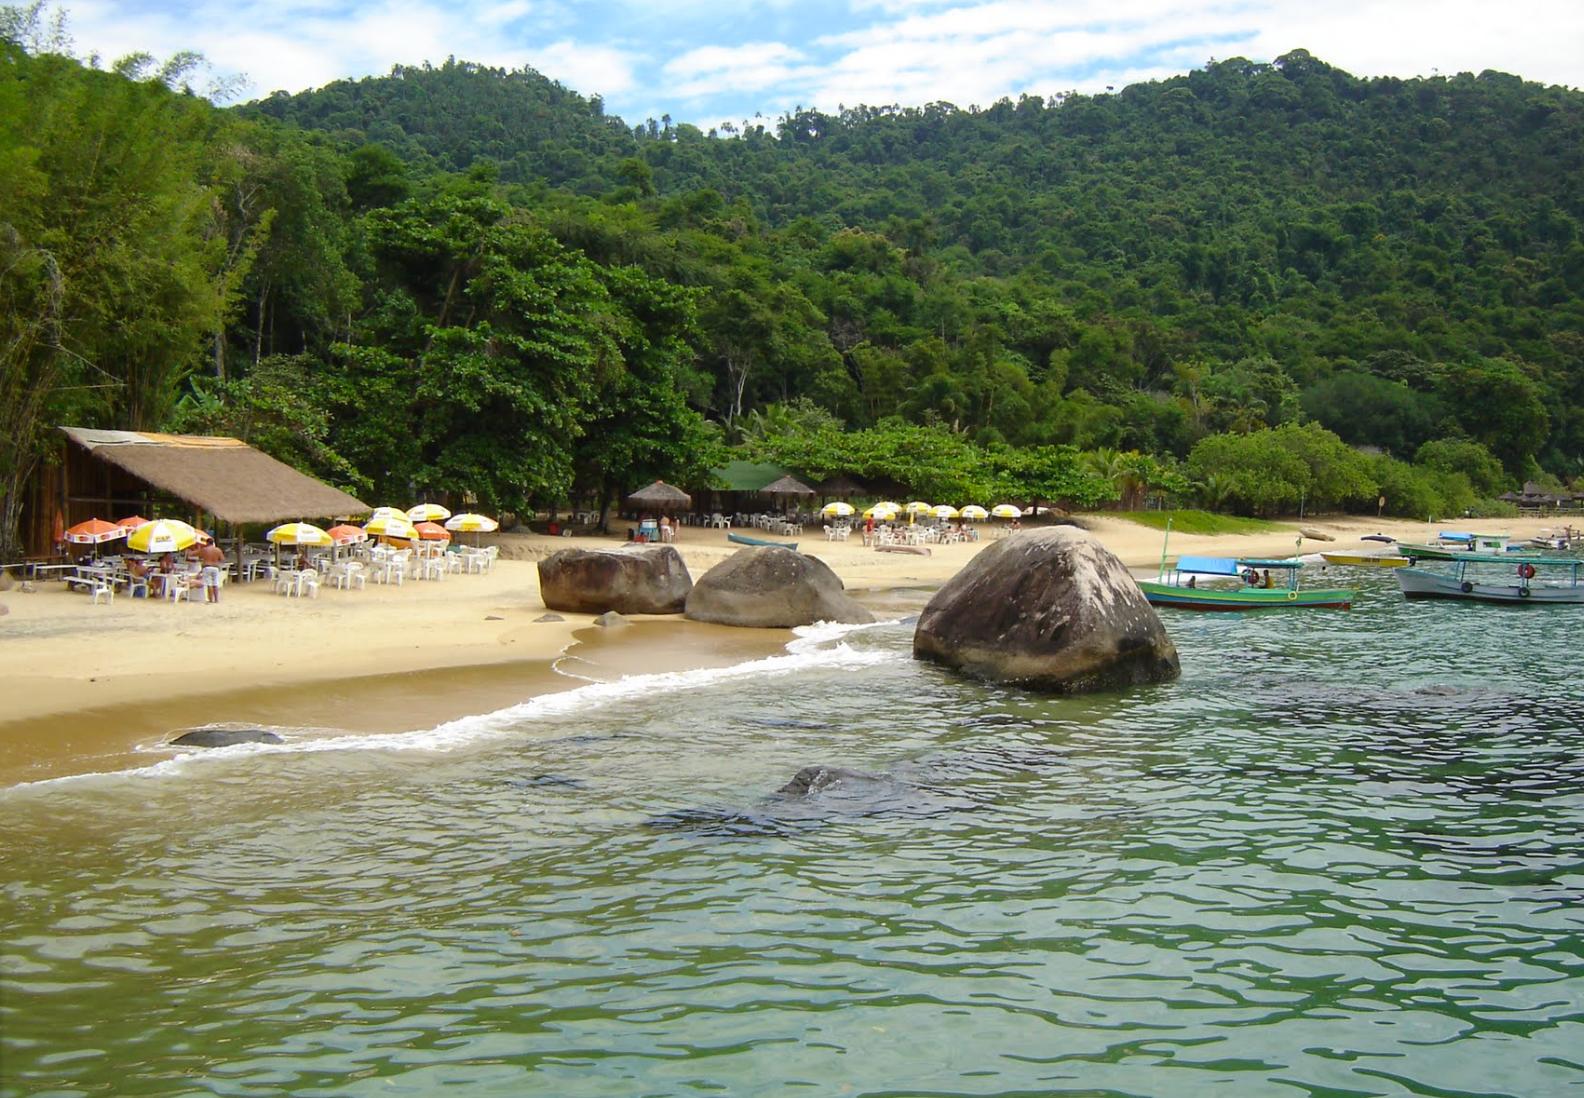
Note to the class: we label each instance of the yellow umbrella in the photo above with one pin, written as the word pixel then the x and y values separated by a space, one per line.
pixel 390 526
pixel 837 509
pixel 945 511
pixel 428 512
pixel 918 507
pixel 1006 510
pixel 471 523
pixel 386 512
pixel 885 512
pixel 974 511
pixel 162 536
pixel 299 533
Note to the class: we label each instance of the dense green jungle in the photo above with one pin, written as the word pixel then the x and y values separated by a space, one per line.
pixel 1252 287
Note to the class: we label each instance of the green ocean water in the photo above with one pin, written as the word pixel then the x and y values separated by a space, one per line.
pixel 1343 855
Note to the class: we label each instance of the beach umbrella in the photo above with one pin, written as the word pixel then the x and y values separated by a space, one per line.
pixel 162 536
pixel 432 531
pixel 838 509
pixel 387 512
pixel 390 526
pixel 918 507
pixel 132 522
pixel 660 496
pixel 471 523
pixel 93 532
pixel 974 511
pixel 883 512
pixel 428 512
pixel 347 535
pixel 945 511
pixel 1006 510
pixel 299 533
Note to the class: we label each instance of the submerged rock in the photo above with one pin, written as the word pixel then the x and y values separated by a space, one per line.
pixel 770 587
pixel 1049 610
pixel 610 620
pixel 548 617
pixel 816 795
pixel 630 580
pixel 224 736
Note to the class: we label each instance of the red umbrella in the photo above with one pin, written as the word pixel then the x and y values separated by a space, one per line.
pixel 430 531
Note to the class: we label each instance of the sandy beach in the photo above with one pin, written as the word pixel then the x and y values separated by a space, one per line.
pixel 393 657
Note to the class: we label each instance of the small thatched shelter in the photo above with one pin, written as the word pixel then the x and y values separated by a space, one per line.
pixel 786 486
pixel 661 496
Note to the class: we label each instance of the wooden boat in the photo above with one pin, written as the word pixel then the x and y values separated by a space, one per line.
pixel 1366 560
pixel 744 539
pixel 1180 587
pixel 916 550
pixel 1450 545
pixel 1502 578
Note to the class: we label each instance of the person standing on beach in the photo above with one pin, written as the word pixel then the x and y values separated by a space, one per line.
pixel 211 556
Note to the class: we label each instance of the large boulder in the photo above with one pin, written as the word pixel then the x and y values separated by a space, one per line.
pixel 634 579
pixel 769 587
pixel 1049 610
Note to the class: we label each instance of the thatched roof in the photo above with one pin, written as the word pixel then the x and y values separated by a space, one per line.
pixel 224 477
pixel 661 494
pixel 787 486
pixel 842 485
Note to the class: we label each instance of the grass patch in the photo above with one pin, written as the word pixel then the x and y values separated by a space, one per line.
pixel 1201 522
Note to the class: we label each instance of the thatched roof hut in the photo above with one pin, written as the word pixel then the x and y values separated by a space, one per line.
pixel 786 486
pixel 223 477
pixel 661 496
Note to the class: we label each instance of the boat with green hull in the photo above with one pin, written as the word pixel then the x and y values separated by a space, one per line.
pixel 1181 587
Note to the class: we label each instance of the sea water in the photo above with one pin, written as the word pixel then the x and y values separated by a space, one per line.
pixel 1341 855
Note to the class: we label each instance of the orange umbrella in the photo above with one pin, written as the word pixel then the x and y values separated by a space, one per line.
pixel 347 535
pixel 132 522
pixel 94 531
pixel 430 531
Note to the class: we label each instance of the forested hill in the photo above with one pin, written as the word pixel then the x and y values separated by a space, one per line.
pixel 1356 234
pixel 1252 287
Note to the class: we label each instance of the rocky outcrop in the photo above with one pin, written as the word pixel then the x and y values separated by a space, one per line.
pixel 768 587
pixel 1049 610
pixel 224 736
pixel 628 580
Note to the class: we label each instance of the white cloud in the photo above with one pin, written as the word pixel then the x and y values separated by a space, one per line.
pixel 669 56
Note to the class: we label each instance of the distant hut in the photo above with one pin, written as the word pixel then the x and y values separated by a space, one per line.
pixel 786 490
pixel 661 496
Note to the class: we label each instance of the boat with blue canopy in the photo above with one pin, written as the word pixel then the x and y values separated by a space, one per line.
pixel 1254 586
pixel 1501 578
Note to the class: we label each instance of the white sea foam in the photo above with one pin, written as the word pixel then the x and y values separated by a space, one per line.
pixel 817 647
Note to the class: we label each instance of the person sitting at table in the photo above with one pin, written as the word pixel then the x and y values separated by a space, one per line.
pixel 137 576
pixel 165 570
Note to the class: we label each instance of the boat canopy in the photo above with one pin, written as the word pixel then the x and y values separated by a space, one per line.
pixel 1208 566
pixel 1511 559
pixel 1454 535
pixel 1261 562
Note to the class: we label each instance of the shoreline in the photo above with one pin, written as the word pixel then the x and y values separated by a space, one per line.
pixel 84 681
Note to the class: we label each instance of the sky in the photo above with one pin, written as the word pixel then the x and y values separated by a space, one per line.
pixel 705 61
